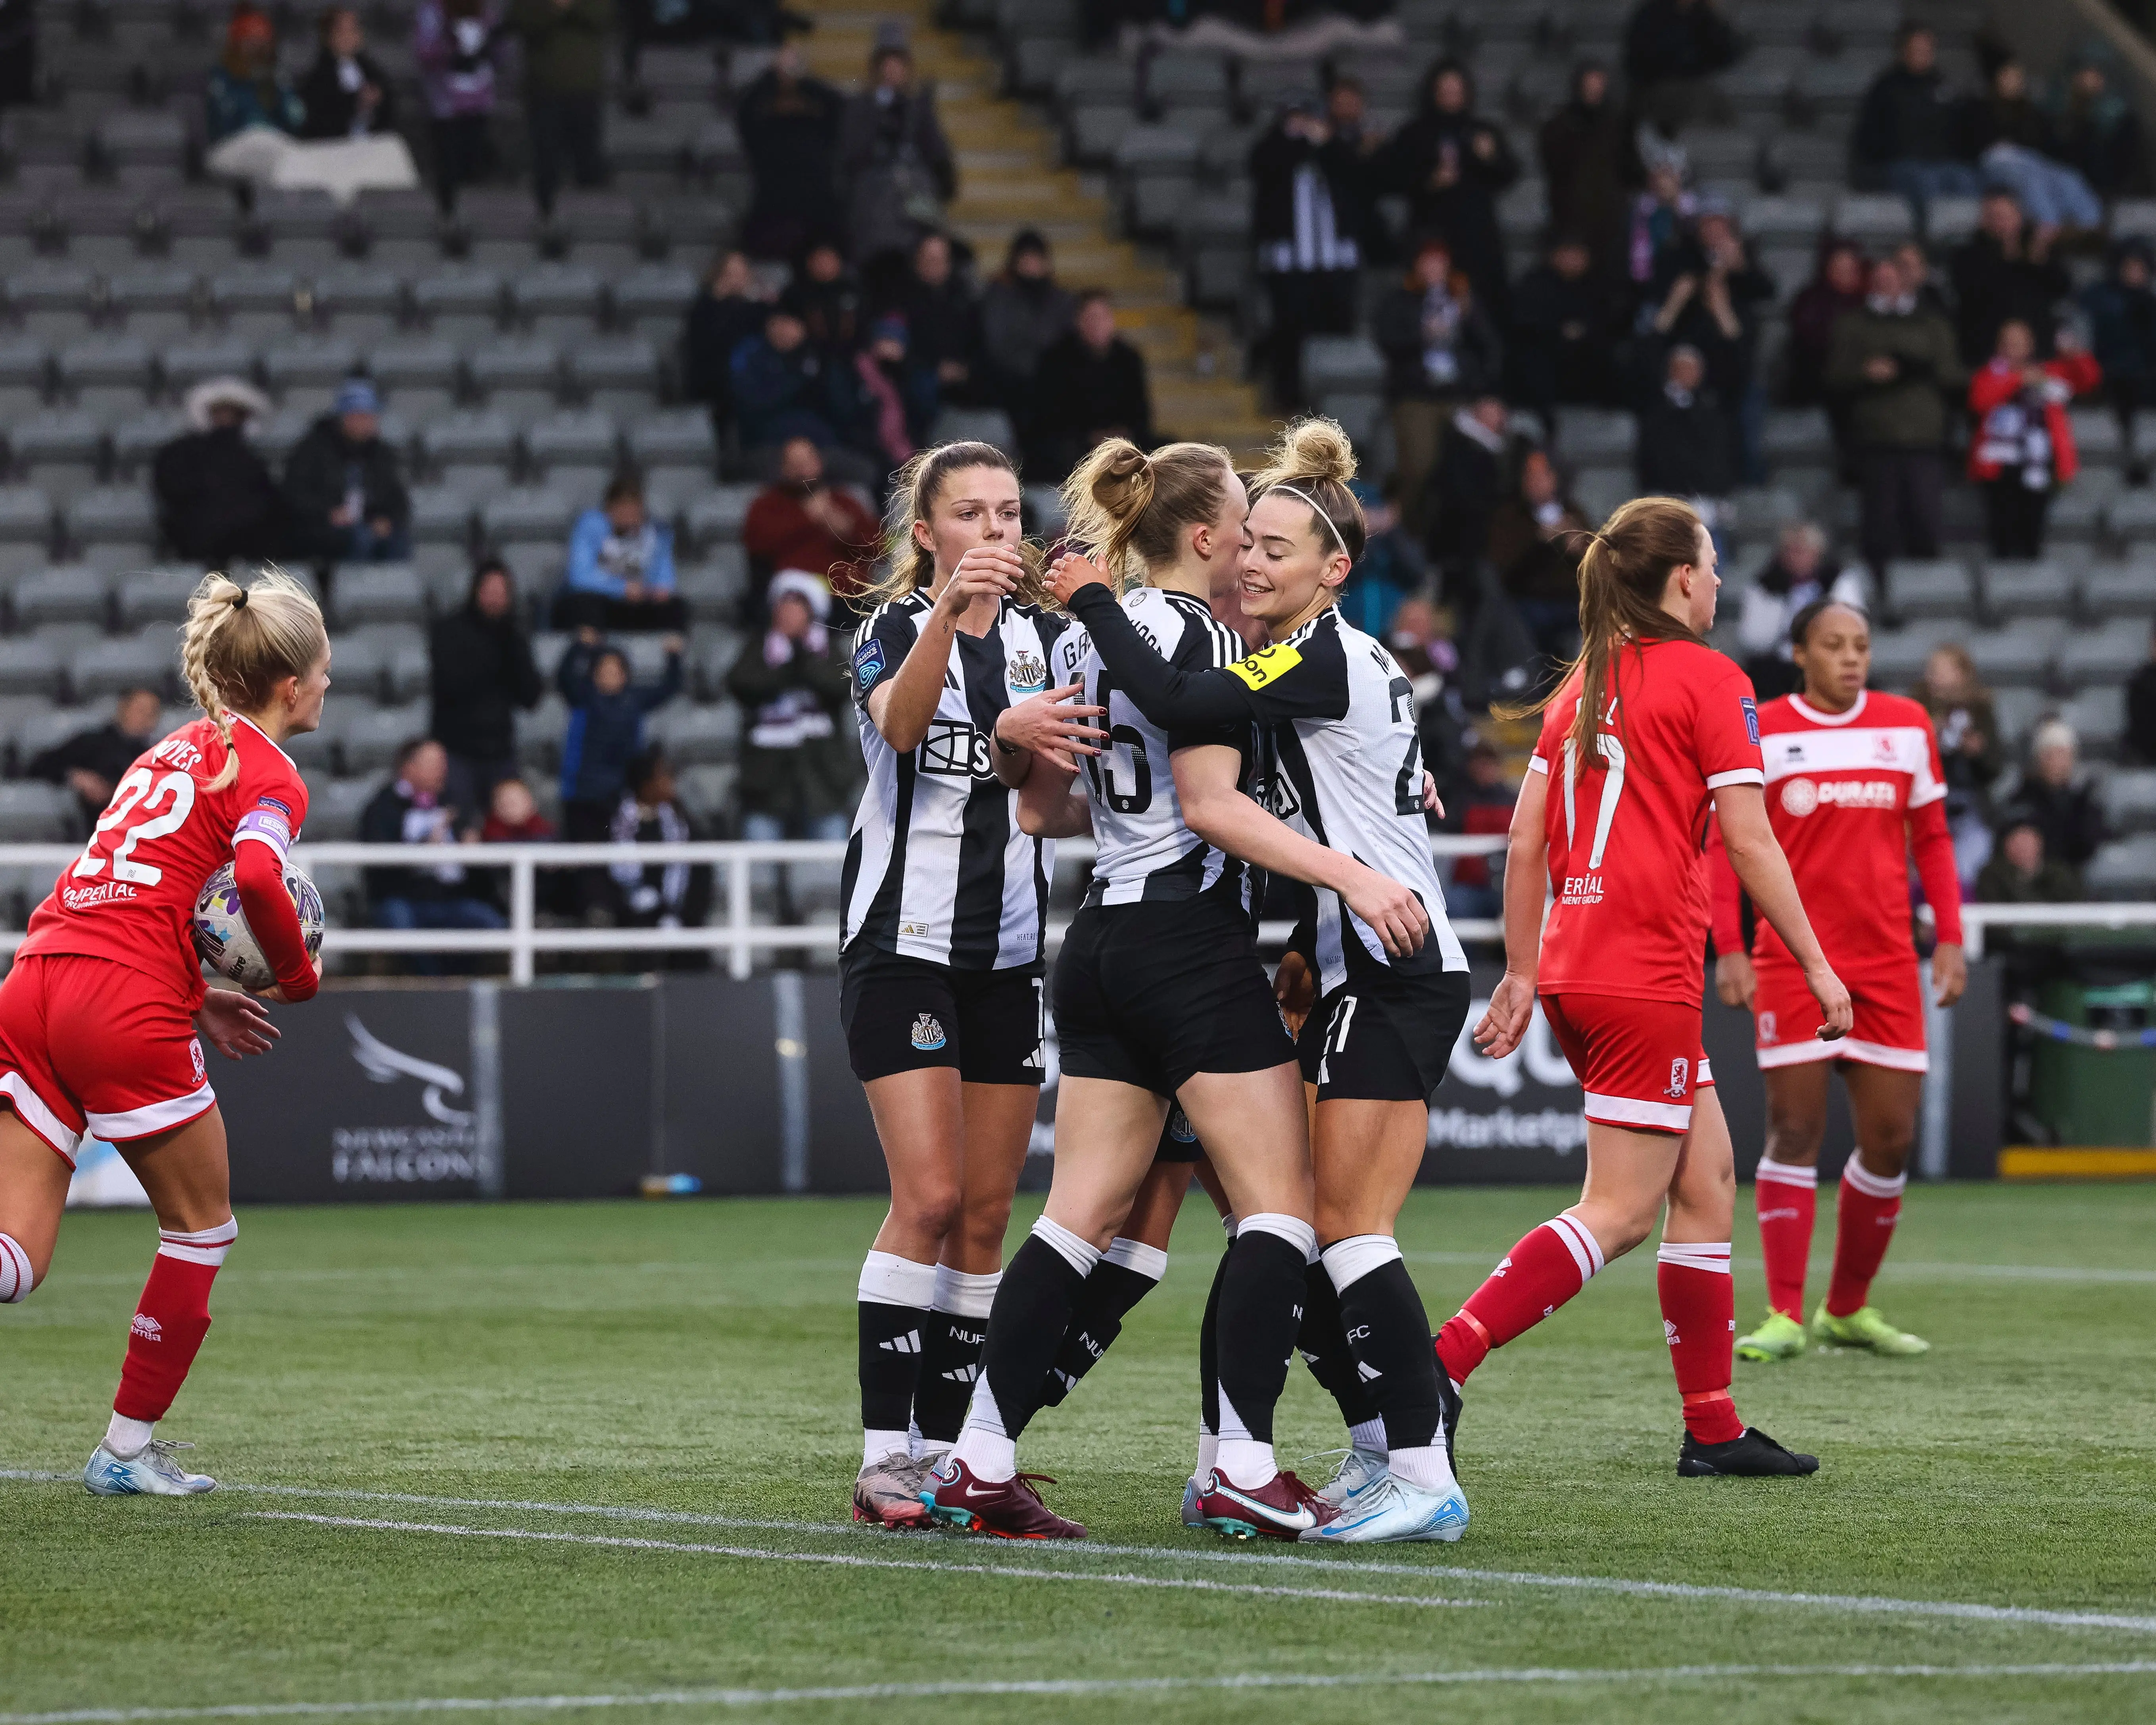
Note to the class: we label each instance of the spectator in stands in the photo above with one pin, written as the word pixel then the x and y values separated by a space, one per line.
pixel 2019 873
pixel 943 324
pixel 669 894
pixel 513 816
pixel 1482 807
pixel 621 567
pixel 1672 50
pixel 2122 313
pixel 730 309
pixel 1566 322
pixel 217 499
pixel 2015 148
pixel 2140 736
pixel 2005 270
pixel 1092 384
pixel 826 295
pixel 1971 753
pixel 458 45
pixel 606 714
pixel 1024 313
pixel 798 777
pixel 18 54
pixel 784 386
pixel 1711 297
pixel 894 163
pixel 1464 488
pixel 800 522
pixel 346 93
pixel 1311 199
pixel 898 395
pixel 1392 566
pixel 1537 536
pixel 1662 218
pixel 2098 134
pixel 1836 286
pixel 412 808
pixel 480 671
pixel 788 121
pixel 1440 351
pixel 1421 639
pixel 1920 278
pixel 243 89
pixel 1908 137
pixel 1799 574
pixel 346 485
pixel 564 82
pixel 1686 441
pixel 1890 365
pixel 1591 163
pixel 2058 798
pixel 2022 450
pixel 91 762
pixel 1452 166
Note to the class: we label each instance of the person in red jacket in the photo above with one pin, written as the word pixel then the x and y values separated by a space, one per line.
pixel 1855 793
pixel 100 1014
pixel 803 523
pixel 2023 451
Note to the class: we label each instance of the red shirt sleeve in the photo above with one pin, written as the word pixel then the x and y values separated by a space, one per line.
pixel 1930 843
pixel 1725 895
pixel 259 872
pixel 1726 728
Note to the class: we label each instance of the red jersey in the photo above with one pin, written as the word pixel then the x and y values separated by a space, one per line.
pixel 1844 791
pixel 131 896
pixel 1625 841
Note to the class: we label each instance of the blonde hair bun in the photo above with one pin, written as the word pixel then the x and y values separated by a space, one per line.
pixel 1311 448
pixel 1128 507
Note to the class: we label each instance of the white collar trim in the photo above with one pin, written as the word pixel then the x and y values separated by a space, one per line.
pixel 1805 710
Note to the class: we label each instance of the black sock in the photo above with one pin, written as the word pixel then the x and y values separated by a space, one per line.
pixel 1261 1311
pixel 1032 1311
pixel 891 1343
pixel 950 1361
pixel 1208 1352
pixel 1390 1334
pixel 1109 1293
pixel 1322 1342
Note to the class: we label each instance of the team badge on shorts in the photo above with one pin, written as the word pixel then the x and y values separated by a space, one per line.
pixel 1679 1071
pixel 1768 1028
pixel 1179 1127
pixel 195 1054
pixel 928 1034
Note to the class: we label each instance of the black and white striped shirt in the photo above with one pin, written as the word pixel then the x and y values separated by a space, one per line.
pixel 1144 850
pixel 937 868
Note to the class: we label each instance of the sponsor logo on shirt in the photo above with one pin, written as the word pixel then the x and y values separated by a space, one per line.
pixel 1801 796
pixel 953 749
pixel 1026 675
pixel 927 1034
pixel 81 898
pixel 868 666
pixel 1268 665
pixel 1751 717
pixel 1581 889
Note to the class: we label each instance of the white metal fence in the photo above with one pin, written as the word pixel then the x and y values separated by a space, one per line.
pixel 735 931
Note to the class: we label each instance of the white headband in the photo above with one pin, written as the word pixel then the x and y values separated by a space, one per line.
pixel 1322 515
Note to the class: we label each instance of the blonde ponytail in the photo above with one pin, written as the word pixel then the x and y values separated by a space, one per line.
pixel 1129 508
pixel 239 643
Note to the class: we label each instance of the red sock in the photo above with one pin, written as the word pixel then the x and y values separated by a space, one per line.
pixel 1787 1197
pixel 1536 1277
pixel 170 1320
pixel 1865 1215
pixel 1699 1318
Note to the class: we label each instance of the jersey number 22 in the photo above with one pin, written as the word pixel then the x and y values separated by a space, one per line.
pixel 138 793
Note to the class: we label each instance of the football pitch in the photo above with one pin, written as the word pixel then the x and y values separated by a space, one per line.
pixel 593 1460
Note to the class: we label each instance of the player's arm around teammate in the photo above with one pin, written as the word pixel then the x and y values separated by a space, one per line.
pixel 100 1014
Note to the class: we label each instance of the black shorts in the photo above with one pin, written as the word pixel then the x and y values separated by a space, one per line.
pixel 1149 994
pixel 1178 1138
pixel 1384 1038
pixel 901 1014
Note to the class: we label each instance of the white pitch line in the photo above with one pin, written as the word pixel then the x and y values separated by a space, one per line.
pixel 1854 1604
pixel 849 1561
pixel 1911 1270
pixel 1082 1687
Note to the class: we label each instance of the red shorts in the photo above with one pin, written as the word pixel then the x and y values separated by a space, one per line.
pixel 1890 1019
pixel 1638 1061
pixel 91 1048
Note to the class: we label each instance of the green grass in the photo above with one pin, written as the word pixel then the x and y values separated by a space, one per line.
pixel 699 1358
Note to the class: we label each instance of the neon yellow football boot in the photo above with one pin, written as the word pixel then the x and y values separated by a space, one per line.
pixel 1865 1327
pixel 1778 1337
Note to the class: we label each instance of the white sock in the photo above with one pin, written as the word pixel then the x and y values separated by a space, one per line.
pixel 125 1438
pixel 16 1280
pixel 1368 1434
pixel 1208 1454
pixel 989 1455
pixel 1425 1467
pixel 1248 1462
pixel 877 1445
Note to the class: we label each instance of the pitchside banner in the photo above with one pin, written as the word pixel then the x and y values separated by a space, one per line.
pixel 584 1088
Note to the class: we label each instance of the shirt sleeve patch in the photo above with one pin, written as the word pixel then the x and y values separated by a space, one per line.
pixel 868 666
pixel 1267 666
pixel 1751 717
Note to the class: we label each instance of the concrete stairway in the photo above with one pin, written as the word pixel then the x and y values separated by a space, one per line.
pixel 1010 177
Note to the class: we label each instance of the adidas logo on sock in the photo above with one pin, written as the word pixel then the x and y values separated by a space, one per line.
pixel 1366 1372
pixel 909 1342
pixel 962 1374
pixel 147 1327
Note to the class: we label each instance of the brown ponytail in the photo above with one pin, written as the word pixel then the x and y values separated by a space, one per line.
pixel 1129 508
pixel 914 489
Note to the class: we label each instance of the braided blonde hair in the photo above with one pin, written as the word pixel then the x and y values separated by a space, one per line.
pixel 240 642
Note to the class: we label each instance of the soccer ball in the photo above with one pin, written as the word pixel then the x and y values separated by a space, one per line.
pixel 228 945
